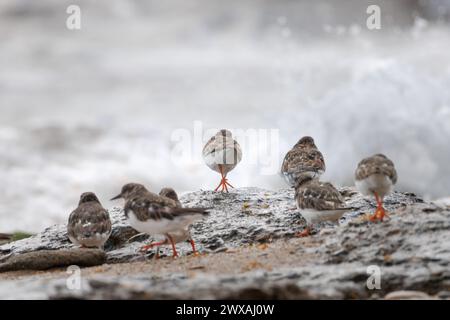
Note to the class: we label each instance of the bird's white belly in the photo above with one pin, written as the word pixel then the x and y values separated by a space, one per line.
pixel 94 240
pixel 379 183
pixel 227 157
pixel 161 226
pixel 313 216
pixel 291 178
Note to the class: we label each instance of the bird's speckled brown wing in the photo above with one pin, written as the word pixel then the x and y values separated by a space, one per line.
pixel 377 164
pixel 298 159
pixel 318 195
pixel 146 208
pixel 89 219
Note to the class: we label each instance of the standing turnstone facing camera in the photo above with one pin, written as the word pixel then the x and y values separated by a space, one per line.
pixel 89 224
pixel 222 154
pixel 375 176
pixel 303 160
pixel 153 214
pixel 318 202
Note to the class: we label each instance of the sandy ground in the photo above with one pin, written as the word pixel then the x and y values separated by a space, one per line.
pixel 281 253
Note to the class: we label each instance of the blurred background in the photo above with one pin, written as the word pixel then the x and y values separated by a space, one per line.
pixel 94 108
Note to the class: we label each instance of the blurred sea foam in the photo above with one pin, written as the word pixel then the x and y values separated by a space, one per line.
pixel 92 109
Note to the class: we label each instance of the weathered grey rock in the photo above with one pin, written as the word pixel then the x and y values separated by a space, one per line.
pixel 243 216
pixel 407 295
pixel 412 250
pixel 344 281
pixel 250 215
pixel 55 238
pixel 416 233
pixel 47 259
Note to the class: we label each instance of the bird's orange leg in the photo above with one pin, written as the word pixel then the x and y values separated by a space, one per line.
pixel 380 212
pixel 175 253
pixel 304 233
pixel 194 250
pixel 224 184
pixel 151 245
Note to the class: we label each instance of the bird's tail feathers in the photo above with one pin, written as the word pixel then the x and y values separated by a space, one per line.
pixel 190 211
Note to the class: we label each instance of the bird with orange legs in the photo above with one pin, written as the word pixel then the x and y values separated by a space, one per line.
pixel 318 202
pixel 222 153
pixel 155 214
pixel 179 236
pixel 303 160
pixel 375 176
pixel 89 225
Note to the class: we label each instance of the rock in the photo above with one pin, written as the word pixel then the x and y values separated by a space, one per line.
pixel 272 218
pixel 445 294
pixel 419 232
pixel 55 238
pixel 47 259
pixel 411 249
pixel 5 236
pixel 407 295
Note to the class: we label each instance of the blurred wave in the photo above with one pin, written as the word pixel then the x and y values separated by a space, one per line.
pixel 91 109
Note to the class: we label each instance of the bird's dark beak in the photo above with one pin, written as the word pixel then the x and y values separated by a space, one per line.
pixel 117 197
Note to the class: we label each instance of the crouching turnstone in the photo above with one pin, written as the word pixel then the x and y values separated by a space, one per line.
pixel 318 202
pixel 376 176
pixel 89 224
pixel 303 160
pixel 182 235
pixel 154 214
pixel 222 154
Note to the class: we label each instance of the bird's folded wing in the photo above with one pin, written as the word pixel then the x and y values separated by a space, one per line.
pixel 89 220
pixel 145 209
pixel 320 198
pixel 370 166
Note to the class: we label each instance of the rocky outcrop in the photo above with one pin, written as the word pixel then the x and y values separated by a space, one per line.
pixel 245 216
pixel 411 250
pixel 47 259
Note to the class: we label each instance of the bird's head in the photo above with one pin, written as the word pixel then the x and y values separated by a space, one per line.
pixel 129 190
pixel 224 133
pixel 88 197
pixel 380 156
pixel 315 158
pixel 169 193
pixel 306 142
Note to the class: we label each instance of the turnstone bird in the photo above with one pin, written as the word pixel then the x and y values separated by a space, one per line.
pixel 171 194
pixel 318 201
pixel 375 176
pixel 303 160
pixel 153 214
pixel 222 153
pixel 89 224
pixel 182 235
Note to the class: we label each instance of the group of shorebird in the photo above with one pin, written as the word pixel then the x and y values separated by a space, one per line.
pixel 162 214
